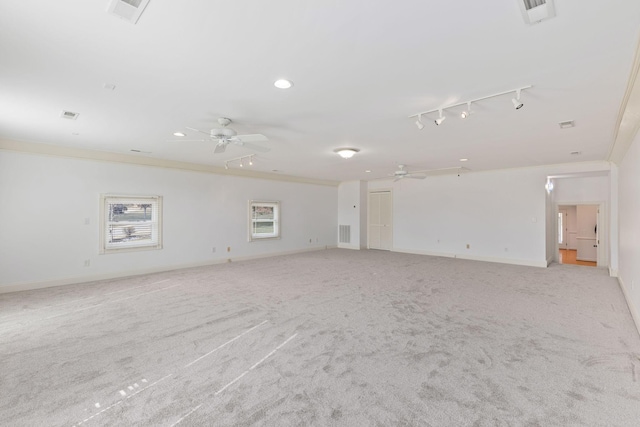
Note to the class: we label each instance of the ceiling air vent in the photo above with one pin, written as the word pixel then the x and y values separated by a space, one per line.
pixel 129 10
pixel 69 115
pixel 534 11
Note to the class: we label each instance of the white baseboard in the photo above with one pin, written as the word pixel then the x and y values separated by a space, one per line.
pixel 348 246
pixel 17 287
pixel 612 272
pixel 525 262
pixel 634 312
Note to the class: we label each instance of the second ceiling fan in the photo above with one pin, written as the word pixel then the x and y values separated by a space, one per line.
pixel 224 136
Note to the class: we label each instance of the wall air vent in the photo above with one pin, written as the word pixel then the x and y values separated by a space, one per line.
pixel 69 115
pixel 129 10
pixel 534 11
pixel 345 234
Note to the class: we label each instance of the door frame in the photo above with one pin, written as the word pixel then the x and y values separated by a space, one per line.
pixel 602 221
pixel 378 190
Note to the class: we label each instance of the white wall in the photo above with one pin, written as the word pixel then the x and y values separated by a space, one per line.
pixel 500 214
pixel 352 211
pixel 45 201
pixel 629 227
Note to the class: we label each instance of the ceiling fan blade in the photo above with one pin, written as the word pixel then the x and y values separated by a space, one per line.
pixel 251 138
pixel 252 146
pixel 197 130
pixel 416 176
pixel 186 140
pixel 220 148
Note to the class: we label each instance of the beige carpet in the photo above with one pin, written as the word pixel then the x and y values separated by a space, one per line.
pixel 327 338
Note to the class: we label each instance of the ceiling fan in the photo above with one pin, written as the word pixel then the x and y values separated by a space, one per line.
pixel 402 173
pixel 225 135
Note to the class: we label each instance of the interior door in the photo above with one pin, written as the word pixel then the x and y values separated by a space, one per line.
pixel 380 220
pixel 563 229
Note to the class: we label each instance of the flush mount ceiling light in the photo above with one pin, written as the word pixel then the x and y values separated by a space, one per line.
pixel 179 134
pixel 419 122
pixel 346 152
pixel 516 103
pixel 283 84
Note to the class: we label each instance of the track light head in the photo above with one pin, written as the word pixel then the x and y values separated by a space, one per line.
pixel 516 101
pixel 517 104
pixel 466 113
pixel 419 122
pixel 440 119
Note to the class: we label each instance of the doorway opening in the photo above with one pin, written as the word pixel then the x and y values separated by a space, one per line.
pixel 577 235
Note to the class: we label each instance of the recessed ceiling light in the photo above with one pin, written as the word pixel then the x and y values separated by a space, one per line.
pixel 178 134
pixel 464 160
pixel 567 124
pixel 283 84
pixel 367 171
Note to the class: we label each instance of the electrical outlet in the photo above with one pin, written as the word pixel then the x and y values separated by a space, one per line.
pixel 87 221
pixel 468 246
pixel 228 248
pixel 506 249
pixel 309 241
pixel 213 250
pixel 87 262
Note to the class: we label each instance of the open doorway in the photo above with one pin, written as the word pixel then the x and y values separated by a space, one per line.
pixel 577 234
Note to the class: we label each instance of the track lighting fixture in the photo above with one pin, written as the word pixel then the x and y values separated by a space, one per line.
pixel 516 101
pixel 441 117
pixel 466 112
pixel 241 161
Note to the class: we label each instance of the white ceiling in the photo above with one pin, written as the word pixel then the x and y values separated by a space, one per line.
pixel 359 68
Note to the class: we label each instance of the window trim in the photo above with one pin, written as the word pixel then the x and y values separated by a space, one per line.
pixel 104 198
pixel 276 220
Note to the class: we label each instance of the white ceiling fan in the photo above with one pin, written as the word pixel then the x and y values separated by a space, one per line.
pixel 225 135
pixel 403 173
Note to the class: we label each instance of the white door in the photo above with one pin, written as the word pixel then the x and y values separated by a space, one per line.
pixel 380 220
pixel 563 229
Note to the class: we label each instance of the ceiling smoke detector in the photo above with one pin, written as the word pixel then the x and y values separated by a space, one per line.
pixel 567 124
pixel 535 11
pixel 129 10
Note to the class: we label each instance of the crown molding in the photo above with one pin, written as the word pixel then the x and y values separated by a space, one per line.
pixel 104 156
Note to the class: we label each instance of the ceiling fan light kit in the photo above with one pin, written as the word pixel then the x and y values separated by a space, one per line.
pixel 517 104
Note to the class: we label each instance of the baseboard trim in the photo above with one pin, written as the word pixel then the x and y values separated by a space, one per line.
pixel 549 261
pixel 634 313
pixel 524 262
pixel 346 246
pixel 18 287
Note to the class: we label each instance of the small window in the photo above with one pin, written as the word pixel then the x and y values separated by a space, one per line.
pixel 264 220
pixel 130 223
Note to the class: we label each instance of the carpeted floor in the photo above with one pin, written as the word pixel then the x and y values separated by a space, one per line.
pixel 327 338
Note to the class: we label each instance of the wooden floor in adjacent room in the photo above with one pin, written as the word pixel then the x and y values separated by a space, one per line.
pixel 334 337
pixel 569 256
